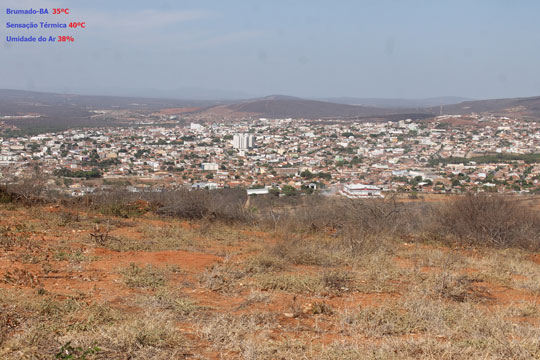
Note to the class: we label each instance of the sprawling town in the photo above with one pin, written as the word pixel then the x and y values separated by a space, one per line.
pixel 447 154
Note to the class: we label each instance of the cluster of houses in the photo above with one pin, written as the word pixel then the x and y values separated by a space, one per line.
pixel 353 159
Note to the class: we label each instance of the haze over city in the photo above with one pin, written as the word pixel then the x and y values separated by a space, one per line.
pixel 317 49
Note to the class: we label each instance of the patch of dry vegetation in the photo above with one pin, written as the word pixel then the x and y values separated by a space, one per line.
pixel 304 278
pixel 486 220
pixel 39 326
pixel 136 276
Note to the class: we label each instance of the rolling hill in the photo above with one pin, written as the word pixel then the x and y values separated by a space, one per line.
pixel 388 103
pixel 278 106
pixel 20 98
pixel 291 107
pixel 526 107
pixel 63 111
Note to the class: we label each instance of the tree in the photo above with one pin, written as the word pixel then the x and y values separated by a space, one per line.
pixel 307 174
pixel 324 176
pixel 274 191
pixel 288 190
pixel 30 187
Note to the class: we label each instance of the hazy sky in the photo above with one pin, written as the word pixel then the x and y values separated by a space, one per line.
pixel 378 48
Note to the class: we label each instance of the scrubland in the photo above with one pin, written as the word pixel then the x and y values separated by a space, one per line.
pixel 201 275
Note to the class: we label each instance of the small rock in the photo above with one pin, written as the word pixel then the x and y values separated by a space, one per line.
pixel 307 308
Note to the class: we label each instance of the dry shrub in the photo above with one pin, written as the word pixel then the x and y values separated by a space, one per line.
pixel 336 231
pixel 323 283
pixel 5 196
pixel 292 283
pixel 265 263
pixel 360 225
pixel 305 251
pixel 458 288
pixel 118 202
pixel 488 220
pixel 28 192
pixel 28 189
pixel 221 205
pixel 186 204
pixel 172 301
pixel 319 308
pixel 338 281
pixel 233 333
pixel 217 205
pixel 222 277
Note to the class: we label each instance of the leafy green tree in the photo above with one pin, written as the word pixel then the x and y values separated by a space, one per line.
pixel 288 190
pixel 307 174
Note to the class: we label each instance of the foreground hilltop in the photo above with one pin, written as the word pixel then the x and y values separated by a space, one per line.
pixel 110 280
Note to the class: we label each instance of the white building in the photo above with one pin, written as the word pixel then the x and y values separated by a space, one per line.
pixel 357 191
pixel 196 127
pixel 210 166
pixel 243 141
pixel 205 185
pixel 263 191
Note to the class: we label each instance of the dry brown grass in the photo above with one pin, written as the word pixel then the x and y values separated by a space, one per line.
pixel 136 276
pixel 421 327
pixel 334 290
pixel 38 326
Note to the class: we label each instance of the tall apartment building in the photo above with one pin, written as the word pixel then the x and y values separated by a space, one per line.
pixel 243 141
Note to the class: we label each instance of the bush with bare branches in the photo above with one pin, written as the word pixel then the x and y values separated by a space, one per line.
pixel 492 220
pixel 223 205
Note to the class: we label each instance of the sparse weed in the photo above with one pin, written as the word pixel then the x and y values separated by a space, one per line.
pixel 149 276
pixel 222 277
pixel 165 299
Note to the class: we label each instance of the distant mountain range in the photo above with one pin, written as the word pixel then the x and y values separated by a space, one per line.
pixel 15 100
pixel 64 111
pixel 398 103
pixel 184 93
pixel 279 106
pixel 60 111
pixel 291 107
